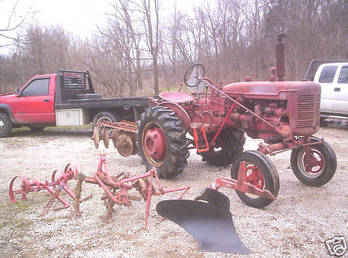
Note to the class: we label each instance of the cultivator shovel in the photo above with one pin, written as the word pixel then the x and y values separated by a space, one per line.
pixel 207 219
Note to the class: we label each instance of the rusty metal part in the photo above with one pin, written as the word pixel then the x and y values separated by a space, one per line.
pixel 280 57
pixel 54 188
pixel 96 137
pixel 106 130
pixel 253 183
pixel 116 188
pixel 125 144
pixel 106 137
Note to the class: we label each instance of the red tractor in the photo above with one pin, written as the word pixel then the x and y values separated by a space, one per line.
pixel 214 120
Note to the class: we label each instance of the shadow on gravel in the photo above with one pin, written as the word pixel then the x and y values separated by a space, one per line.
pixel 52 131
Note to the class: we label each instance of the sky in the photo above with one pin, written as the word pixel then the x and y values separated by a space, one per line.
pixel 80 17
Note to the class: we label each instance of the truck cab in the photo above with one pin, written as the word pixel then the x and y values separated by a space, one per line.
pixel 333 79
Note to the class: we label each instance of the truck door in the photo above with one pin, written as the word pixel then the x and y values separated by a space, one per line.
pixel 326 74
pixel 35 104
pixel 340 90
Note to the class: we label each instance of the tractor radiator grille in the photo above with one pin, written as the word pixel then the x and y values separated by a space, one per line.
pixel 305 110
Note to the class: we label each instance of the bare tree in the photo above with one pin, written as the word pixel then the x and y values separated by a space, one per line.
pixel 12 25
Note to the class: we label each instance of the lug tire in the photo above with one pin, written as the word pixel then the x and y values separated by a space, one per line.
pixel 175 154
pixel 231 142
pixel 329 164
pixel 5 125
pixel 269 174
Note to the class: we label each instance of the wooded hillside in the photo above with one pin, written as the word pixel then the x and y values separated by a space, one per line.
pixel 145 48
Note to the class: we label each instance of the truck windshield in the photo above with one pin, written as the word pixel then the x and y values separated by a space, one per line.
pixel 327 74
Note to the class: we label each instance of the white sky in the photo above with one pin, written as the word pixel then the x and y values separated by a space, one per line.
pixel 80 17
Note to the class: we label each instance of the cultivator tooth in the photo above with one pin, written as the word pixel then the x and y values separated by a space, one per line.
pixel 22 190
pixel 96 137
pixel 53 176
pixel 106 137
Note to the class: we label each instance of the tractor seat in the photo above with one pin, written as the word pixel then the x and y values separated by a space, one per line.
pixel 176 97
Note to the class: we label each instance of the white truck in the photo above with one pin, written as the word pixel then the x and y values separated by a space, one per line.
pixel 332 75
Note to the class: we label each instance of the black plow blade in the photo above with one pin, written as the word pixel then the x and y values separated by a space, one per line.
pixel 208 219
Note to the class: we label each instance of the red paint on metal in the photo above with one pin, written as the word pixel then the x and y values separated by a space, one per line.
pixel 155 143
pixel 243 186
pixel 313 160
pixel 176 97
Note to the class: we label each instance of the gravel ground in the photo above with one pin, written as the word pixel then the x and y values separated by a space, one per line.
pixel 295 225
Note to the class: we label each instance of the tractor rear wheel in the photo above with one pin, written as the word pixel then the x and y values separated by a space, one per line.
pixel 228 146
pixel 261 173
pixel 161 141
pixel 316 165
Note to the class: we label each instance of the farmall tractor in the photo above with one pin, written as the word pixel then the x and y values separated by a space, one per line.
pixel 214 121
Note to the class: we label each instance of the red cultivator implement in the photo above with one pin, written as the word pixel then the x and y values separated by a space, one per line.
pixel 116 188
pixel 54 188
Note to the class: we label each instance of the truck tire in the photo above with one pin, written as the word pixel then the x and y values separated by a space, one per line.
pixel 229 145
pixel 315 168
pixel 161 141
pixel 104 116
pixel 5 125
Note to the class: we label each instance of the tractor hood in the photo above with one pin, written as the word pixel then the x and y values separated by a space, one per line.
pixel 257 89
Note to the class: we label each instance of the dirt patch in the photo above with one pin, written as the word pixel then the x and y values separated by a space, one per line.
pixel 296 224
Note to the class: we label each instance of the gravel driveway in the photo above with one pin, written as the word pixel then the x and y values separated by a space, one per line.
pixel 295 225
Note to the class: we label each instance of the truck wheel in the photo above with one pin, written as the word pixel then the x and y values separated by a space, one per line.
pixel 5 125
pixel 316 166
pixel 228 146
pixel 104 116
pixel 161 141
pixel 261 173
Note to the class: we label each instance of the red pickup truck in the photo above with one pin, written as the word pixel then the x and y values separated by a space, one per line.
pixel 65 98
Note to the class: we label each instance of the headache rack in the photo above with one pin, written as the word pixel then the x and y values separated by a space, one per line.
pixel 71 84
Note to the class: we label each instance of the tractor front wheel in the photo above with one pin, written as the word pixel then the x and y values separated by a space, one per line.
pixel 314 165
pixel 161 141
pixel 261 173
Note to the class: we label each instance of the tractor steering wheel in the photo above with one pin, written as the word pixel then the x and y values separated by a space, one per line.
pixel 194 75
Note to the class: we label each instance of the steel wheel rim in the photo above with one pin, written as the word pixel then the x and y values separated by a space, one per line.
pixel 311 164
pixel 254 177
pixel 154 144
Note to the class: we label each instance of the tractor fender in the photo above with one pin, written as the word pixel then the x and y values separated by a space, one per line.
pixel 180 112
pixel 4 108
